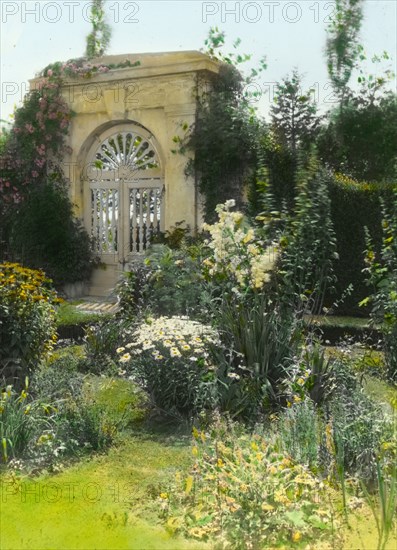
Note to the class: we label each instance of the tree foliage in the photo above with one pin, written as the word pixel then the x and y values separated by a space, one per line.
pixel 225 131
pixel 342 48
pixel 360 141
pixel 294 114
pixel 99 38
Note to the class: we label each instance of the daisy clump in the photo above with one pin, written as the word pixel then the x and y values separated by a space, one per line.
pixel 170 357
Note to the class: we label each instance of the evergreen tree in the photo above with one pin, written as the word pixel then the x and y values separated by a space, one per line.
pixel 294 114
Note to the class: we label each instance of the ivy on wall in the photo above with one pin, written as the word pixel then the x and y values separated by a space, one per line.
pixel 225 131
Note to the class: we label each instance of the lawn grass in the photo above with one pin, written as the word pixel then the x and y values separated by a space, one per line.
pixel 339 321
pixel 91 505
pixel 106 501
pixel 68 314
pixel 381 392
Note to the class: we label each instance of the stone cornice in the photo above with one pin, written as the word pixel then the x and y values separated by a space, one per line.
pixel 152 65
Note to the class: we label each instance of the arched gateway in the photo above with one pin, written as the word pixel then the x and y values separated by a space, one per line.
pixel 124 179
pixel 124 191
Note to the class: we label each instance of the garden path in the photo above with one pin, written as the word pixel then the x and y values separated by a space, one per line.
pixel 91 304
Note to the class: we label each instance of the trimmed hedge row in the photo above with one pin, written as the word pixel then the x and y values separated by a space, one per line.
pixel 354 206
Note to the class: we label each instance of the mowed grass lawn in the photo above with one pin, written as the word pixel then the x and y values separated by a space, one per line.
pixel 91 505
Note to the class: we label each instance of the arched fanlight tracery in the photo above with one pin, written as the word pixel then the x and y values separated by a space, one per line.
pixel 126 190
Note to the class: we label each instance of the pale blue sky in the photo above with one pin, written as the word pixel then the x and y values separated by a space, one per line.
pixel 291 34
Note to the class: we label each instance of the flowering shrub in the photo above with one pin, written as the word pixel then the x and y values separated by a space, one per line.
pixel 245 494
pixel 40 128
pixel 36 214
pixel 168 356
pixel 27 319
pixel 260 337
pixel 238 255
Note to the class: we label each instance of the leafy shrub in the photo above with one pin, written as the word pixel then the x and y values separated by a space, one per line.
pixel 345 431
pixel 168 358
pixel 360 138
pixel 176 282
pixel 22 422
pixel 124 402
pixel 81 421
pixel 371 362
pixel 222 139
pixel 85 426
pixel 46 234
pixel 312 375
pixel 59 379
pixel 169 283
pixel 175 237
pixel 259 340
pixel 100 343
pixel 27 320
pixel 246 494
pixel 309 244
pixel 298 432
pixel 133 290
pixel 359 427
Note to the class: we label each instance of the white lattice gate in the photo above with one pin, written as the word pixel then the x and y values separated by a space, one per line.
pixel 124 200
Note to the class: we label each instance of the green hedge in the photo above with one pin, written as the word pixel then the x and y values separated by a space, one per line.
pixel 354 206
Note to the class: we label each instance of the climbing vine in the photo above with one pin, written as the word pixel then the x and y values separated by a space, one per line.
pixel 225 130
pixel 36 143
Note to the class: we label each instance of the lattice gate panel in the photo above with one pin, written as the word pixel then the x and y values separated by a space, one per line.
pixel 104 220
pixel 144 217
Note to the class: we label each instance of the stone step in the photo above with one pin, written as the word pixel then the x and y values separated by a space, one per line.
pixel 98 306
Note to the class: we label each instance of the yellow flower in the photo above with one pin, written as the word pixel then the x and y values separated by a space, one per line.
pixel 189 484
pixel 296 536
pixel 220 463
pixel 249 236
pixel 267 507
pixel 164 495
